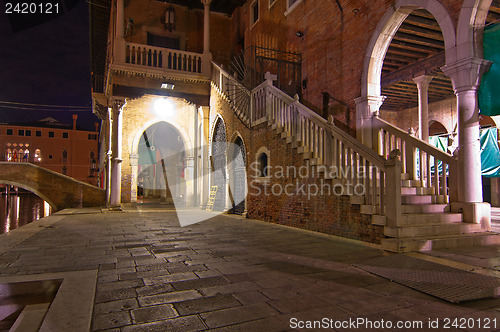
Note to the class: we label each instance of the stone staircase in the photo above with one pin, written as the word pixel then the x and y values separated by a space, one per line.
pixel 426 223
pixel 422 221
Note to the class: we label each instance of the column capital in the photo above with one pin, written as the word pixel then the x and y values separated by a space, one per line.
pixel 118 104
pixel 423 81
pixel 466 74
pixel 371 105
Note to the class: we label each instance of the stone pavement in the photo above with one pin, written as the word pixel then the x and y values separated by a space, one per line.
pixel 224 274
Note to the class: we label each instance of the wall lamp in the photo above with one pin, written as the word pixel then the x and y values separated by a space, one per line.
pixel 299 34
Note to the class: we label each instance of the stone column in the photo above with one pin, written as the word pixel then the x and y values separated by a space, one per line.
pixel 116 168
pixel 207 57
pixel 189 180
pixel 366 109
pixel 109 154
pixel 119 44
pixel 423 106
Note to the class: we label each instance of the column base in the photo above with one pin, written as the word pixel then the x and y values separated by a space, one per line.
pixel 115 208
pixel 476 213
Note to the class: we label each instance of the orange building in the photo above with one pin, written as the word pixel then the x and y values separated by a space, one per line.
pixel 54 145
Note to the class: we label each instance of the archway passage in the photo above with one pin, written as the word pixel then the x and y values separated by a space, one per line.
pixel 160 173
pixel 437 128
pixel 239 176
pixel 416 49
pixel 219 164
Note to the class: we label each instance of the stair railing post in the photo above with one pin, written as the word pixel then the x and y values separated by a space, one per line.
pixel 393 189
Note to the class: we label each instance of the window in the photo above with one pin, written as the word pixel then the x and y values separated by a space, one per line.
pixel 26 155
pixel 65 135
pixel 51 134
pixel 64 156
pixel 20 132
pixel 93 137
pixel 291 4
pixel 8 155
pixel 50 156
pixel 65 170
pixel 254 12
pixel 263 164
pixel 38 133
pixel 9 131
pixel 27 132
pixel 92 155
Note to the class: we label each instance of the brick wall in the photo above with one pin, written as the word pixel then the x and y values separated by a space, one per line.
pixel 330 214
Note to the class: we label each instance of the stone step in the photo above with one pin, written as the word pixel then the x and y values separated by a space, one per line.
pixel 430 230
pixel 440 242
pixel 426 208
pixel 414 219
pixel 411 183
pixel 416 191
pixel 416 199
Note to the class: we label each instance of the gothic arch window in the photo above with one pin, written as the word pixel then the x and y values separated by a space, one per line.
pixel 219 143
pixel 64 156
pixel 65 170
pixel 263 162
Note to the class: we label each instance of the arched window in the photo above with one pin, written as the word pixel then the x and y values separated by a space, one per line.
pixel 263 164
pixel 26 155
pixel 8 155
pixel 20 155
pixel 92 155
pixel 65 170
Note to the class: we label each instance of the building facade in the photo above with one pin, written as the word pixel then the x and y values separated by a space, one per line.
pixel 51 144
pixel 331 105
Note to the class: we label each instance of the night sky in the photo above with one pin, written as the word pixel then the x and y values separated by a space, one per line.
pixel 48 63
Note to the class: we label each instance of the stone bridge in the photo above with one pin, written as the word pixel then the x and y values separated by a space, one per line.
pixel 60 191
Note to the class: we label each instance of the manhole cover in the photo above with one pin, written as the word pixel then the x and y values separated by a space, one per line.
pixel 441 281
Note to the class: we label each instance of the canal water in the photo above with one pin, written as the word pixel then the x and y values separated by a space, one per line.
pixel 19 209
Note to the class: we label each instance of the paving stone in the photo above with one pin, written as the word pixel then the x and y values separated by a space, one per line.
pixel 120 284
pixel 116 294
pixel 297 303
pixel 154 313
pixel 113 306
pixel 228 289
pixel 242 314
pixel 184 324
pixel 170 278
pixel 206 304
pixel 250 297
pixel 199 283
pixel 155 289
pixel 111 320
pixel 171 297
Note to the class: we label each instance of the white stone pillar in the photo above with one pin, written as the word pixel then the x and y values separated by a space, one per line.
pixel 134 163
pixel 465 76
pixel 109 157
pixel 366 109
pixel 423 106
pixel 207 57
pixel 116 169
pixel 189 180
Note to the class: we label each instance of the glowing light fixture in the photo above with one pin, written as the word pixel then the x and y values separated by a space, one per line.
pixel 164 108
pixel 167 86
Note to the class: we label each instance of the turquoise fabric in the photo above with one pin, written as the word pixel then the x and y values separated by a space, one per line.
pixel 440 142
pixel 490 153
pixel 488 95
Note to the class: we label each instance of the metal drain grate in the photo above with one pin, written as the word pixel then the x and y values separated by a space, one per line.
pixel 441 281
